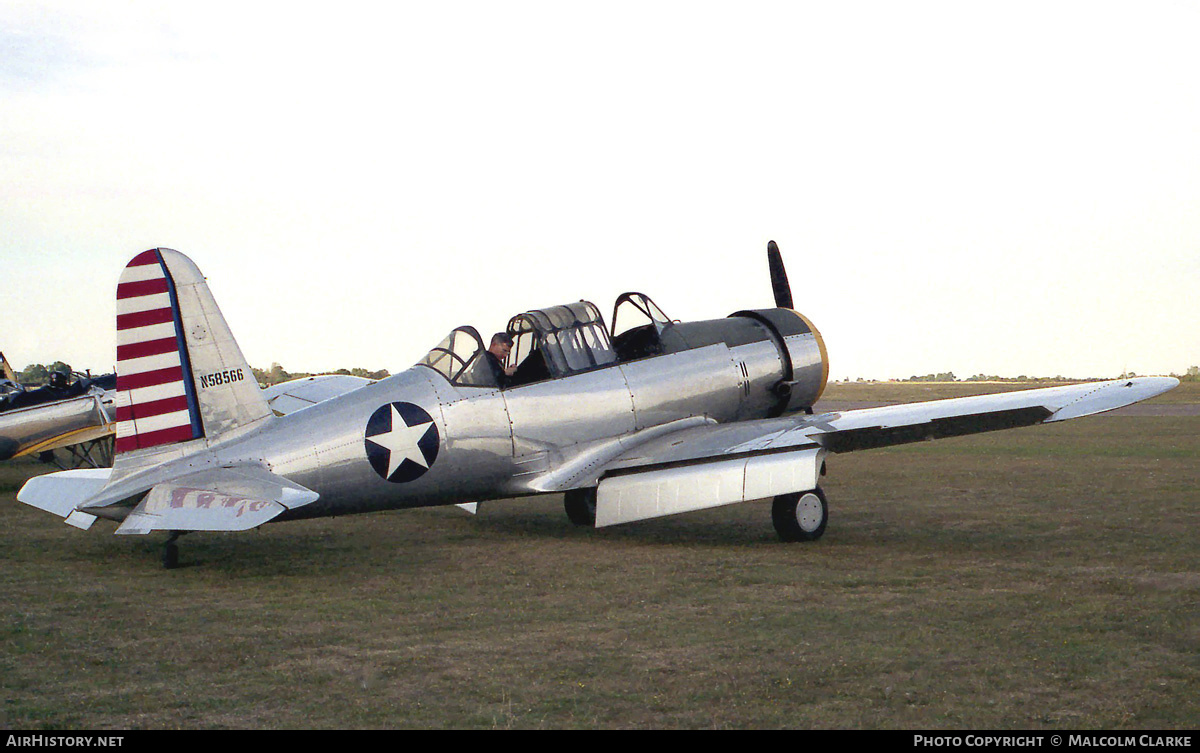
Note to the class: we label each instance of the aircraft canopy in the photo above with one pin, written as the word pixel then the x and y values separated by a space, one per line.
pixel 547 344
pixel 459 358
pixel 569 338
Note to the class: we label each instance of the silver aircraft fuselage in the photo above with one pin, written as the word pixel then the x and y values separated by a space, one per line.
pixel 541 437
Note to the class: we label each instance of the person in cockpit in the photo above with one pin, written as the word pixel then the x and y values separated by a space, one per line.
pixel 497 353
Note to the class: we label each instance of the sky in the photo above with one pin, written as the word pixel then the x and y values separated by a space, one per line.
pixel 1002 188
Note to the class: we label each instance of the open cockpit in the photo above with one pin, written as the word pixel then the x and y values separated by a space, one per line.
pixel 554 342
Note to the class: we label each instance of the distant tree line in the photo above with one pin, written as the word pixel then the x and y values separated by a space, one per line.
pixel 36 374
pixel 945 376
pixel 277 374
pixel 1192 375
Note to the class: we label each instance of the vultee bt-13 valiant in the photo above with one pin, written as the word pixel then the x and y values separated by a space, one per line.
pixel 647 418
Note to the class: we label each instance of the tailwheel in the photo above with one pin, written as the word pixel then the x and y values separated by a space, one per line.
pixel 170 556
pixel 581 506
pixel 801 516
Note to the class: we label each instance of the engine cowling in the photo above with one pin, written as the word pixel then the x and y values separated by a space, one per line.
pixel 789 375
pixel 802 352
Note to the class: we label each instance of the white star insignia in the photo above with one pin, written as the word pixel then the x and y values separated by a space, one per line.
pixel 401 442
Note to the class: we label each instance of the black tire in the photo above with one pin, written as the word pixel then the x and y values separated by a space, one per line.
pixel 801 516
pixel 581 506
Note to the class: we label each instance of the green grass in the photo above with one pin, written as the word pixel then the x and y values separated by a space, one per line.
pixel 1041 578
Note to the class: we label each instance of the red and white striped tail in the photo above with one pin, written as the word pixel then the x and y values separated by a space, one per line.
pixel 180 374
pixel 156 397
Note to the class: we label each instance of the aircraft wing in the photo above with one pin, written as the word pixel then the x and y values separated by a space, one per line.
pixel 717 464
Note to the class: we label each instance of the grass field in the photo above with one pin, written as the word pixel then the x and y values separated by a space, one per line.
pixel 1039 578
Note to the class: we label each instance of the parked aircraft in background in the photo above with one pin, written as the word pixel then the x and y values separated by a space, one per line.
pixel 648 417
pixel 7 378
pixel 70 422
pixel 72 413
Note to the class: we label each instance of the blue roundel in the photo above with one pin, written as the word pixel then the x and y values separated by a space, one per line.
pixel 401 442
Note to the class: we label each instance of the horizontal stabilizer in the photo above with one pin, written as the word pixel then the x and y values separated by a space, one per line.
pixel 60 493
pixel 220 499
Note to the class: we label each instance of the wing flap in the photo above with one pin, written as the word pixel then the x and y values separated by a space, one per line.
pixel 220 499
pixel 671 489
pixel 870 437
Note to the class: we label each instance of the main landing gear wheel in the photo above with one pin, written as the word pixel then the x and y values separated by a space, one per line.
pixel 801 516
pixel 581 506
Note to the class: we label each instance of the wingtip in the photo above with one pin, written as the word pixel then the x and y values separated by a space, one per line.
pixel 1153 385
pixel 1117 393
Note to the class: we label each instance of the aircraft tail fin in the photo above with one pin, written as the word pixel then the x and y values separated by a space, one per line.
pixel 181 377
pixel 6 371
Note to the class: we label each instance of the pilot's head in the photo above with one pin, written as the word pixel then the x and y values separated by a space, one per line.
pixel 501 345
pixel 58 379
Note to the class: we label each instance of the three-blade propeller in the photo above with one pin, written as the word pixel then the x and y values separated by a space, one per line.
pixel 779 280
